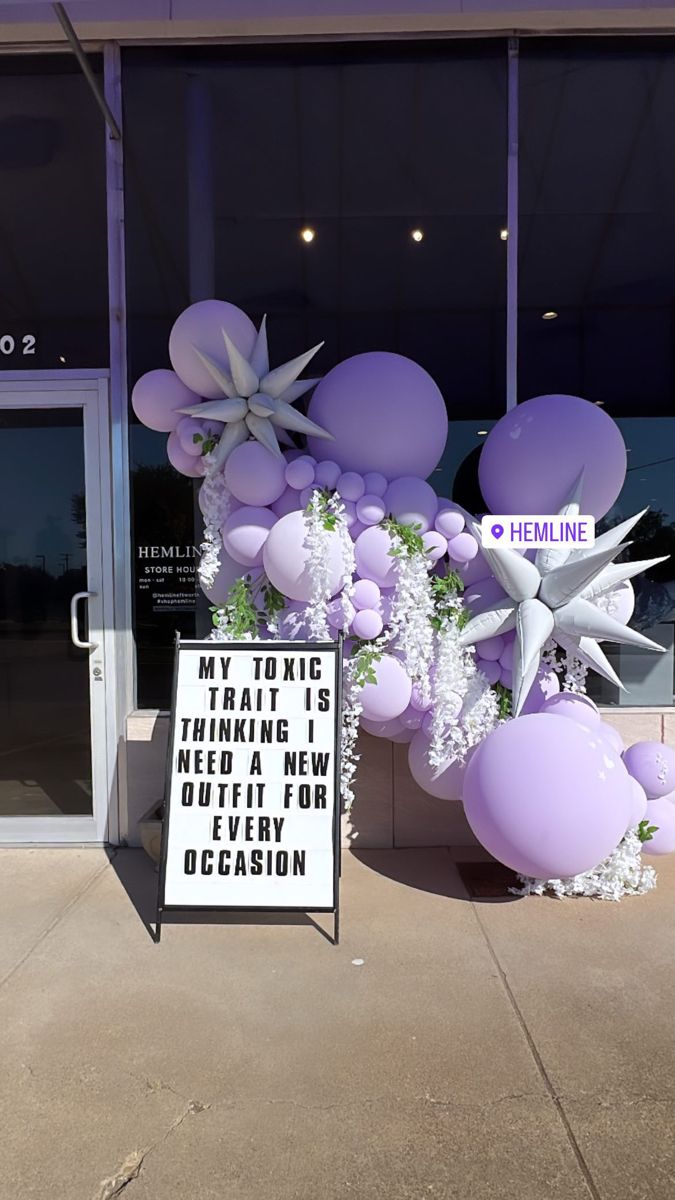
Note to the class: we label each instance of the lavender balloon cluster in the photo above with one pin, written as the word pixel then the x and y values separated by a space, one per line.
pixel 344 533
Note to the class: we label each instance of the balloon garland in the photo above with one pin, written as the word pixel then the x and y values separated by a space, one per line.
pixel 452 647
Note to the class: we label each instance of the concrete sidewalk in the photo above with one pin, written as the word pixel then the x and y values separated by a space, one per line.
pixel 511 1050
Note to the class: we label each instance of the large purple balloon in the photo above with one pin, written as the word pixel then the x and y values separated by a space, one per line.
pixel 254 475
pixel 200 327
pixel 653 765
pixel 245 533
pixel 545 798
pixel 533 456
pixel 156 398
pixel 229 571
pixel 445 783
pixel 661 813
pixel 286 556
pixel 638 805
pixel 385 413
pixel 390 695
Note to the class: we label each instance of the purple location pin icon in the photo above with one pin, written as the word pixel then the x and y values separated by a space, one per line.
pixel 497 530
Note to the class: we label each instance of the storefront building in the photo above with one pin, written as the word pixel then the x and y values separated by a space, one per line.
pixel 489 192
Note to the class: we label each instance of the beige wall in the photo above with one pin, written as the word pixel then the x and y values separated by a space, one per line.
pixel 390 809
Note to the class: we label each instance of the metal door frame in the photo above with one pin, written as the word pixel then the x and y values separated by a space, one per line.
pixel 88 391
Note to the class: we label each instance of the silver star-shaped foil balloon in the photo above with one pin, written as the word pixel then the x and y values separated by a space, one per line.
pixel 256 401
pixel 553 596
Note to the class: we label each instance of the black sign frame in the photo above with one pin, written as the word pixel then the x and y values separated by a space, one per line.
pixel 334 647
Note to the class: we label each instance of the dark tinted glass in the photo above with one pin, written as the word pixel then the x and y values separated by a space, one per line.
pixel 363 145
pixel 45 728
pixel 597 248
pixel 53 249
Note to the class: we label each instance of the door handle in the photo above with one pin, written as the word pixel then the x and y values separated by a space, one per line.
pixel 74 631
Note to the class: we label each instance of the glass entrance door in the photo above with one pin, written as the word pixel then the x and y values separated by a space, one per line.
pixel 55 611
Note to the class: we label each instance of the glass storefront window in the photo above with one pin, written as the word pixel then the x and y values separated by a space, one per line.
pixel 393 156
pixel 53 247
pixel 597 285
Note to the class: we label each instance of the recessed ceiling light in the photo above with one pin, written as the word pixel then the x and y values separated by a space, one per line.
pixel 550 315
pixel 600 403
pixel 307 234
pixel 61 358
pixel 482 432
pixel 504 235
pixel 417 235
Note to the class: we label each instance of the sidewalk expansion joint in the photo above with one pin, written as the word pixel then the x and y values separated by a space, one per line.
pixel 44 933
pixel 539 1062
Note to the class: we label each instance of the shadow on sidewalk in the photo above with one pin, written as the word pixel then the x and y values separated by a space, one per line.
pixel 434 870
pixel 139 878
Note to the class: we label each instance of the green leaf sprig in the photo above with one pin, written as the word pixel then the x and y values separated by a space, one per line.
pixel 408 540
pixel 240 612
pixel 504 701
pixel 645 831
pixel 364 656
pixel 319 504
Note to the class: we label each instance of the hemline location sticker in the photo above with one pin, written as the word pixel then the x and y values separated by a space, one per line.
pixel 529 532
pixel 252 812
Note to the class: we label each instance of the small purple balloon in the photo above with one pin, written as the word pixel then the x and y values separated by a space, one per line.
pixel 289 501
pixel 411 718
pixel 543 796
pixel 575 706
pixel 200 328
pixel 340 615
pixel 385 413
pixel 490 648
pixel 351 486
pixel 245 533
pixel 546 684
pixel 190 434
pixel 463 547
pixel 156 398
pixel 490 669
pixel 435 545
pixel 254 475
pixel 375 483
pixel 187 464
pixel 506 656
pixel 299 474
pixel 661 812
pixel 326 474
pixel 418 701
pixel 412 502
pixel 533 456
pixel 365 594
pixel 373 558
pixel 481 595
pixel 653 765
pixel 389 696
pixel 475 570
pixel 506 678
pixel 383 729
pixel 449 522
pixel 370 509
pixel 367 624
pixel 445 782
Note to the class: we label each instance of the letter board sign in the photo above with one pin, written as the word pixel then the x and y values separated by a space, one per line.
pixel 252 812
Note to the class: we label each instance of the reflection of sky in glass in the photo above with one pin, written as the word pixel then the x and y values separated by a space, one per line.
pixel 41 469
pixel 651 467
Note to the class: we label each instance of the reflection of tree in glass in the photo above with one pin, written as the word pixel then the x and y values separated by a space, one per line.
pixel 654 537
pixel 79 514
pixel 162 507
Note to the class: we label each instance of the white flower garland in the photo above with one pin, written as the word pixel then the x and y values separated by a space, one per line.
pixel 351 713
pixel 575 675
pixel 454 667
pixel 623 873
pixel 318 566
pixel 411 612
pixel 216 501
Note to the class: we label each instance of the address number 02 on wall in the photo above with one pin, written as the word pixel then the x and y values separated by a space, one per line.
pixel 9 344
